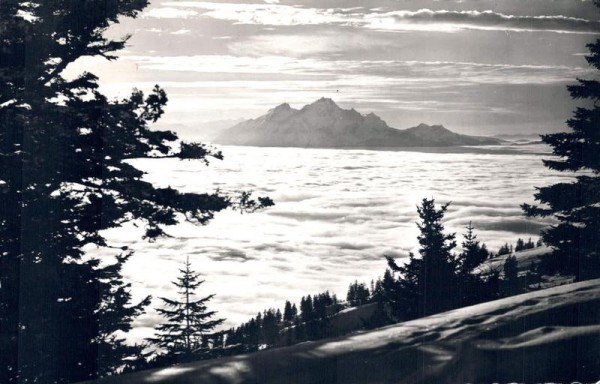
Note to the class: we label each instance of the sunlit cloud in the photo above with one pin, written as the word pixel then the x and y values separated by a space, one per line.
pixel 337 214
pixel 450 21
pixel 170 13
pixel 400 20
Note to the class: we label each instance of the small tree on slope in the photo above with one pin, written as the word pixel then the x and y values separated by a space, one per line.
pixel 576 239
pixel 188 319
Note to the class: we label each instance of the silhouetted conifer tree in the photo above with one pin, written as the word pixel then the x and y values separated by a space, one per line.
pixel 505 250
pixel 473 287
pixel 306 308
pixel 381 315
pixel 529 244
pixel 575 240
pixel 510 281
pixel 270 328
pixel 428 285
pixel 189 325
pixel 520 245
pixel 65 177
pixel 358 294
pixel 288 315
pixel 473 254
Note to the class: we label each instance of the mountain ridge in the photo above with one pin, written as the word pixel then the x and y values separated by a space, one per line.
pixel 323 124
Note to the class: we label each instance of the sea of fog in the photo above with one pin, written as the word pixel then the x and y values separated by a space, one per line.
pixel 337 213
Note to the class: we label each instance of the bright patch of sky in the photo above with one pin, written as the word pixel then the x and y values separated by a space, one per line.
pixel 475 66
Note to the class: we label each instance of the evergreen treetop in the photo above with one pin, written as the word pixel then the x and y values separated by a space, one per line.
pixel 188 317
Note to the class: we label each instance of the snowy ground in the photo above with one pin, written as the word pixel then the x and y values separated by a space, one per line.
pixel 551 335
pixel 524 258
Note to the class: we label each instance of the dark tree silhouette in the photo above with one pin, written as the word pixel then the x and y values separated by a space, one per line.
pixel 510 281
pixel 358 294
pixel 505 250
pixel 529 244
pixel 306 308
pixel 576 239
pixel 270 328
pixel 381 315
pixel 473 253
pixel 189 323
pixel 428 285
pixel 64 177
pixel 288 313
pixel 520 245
pixel 473 287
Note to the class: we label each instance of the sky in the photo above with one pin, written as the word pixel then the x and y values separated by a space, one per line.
pixel 475 66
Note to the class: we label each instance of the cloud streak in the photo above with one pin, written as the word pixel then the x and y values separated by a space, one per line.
pixel 485 20
pixel 408 72
pixel 397 20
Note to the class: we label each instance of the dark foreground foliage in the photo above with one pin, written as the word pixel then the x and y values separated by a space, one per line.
pixel 576 239
pixel 65 177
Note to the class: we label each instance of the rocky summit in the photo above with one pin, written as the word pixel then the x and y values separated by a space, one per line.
pixel 323 124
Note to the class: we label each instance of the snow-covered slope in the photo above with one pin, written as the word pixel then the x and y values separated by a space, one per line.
pixel 524 258
pixel 551 335
pixel 323 124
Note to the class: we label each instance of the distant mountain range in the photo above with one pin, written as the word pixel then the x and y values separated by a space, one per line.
pixel 323 124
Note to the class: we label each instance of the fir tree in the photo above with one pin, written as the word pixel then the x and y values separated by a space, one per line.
pixel 65 178
pixel 358 294
pixel 473 253
pixel 520 245
pixel 576 249
pixel 381 315
pixel 511 276
pixel 189 321
pixel 270 328
pixel 529 244
pixel 505 250
pixel 306 308
pixel 288 315
pixel 472 287
pixel 428 285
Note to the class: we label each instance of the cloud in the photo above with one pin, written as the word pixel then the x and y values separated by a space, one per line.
pixel 340 228
pixel 409 74
pixel 272 14
pixel 485 20
pixel 182 31
pixel 518 226
pixel 301 45
pixel 170 13
pixel 266 14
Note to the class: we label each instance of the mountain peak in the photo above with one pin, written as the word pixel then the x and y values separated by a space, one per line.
pixel 284 106
pixel 323 124
pixel 325 102
pixel 280 112
pixel 281 108
pixel 431 128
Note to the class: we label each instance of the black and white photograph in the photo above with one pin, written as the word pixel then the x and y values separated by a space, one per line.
pixel 299 191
